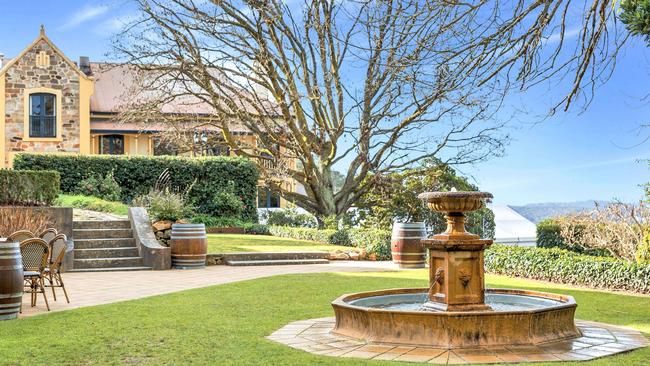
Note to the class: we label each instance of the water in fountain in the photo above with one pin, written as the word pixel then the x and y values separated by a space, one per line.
pixel 416 301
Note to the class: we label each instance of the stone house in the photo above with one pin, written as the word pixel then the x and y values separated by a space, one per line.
pixel 50 104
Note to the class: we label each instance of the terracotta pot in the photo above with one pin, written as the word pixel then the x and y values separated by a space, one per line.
pixel 406 249
pixel 11 280
pixel 189 246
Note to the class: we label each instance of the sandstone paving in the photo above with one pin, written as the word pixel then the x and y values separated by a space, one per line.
pixel 97 288
pixel 588 346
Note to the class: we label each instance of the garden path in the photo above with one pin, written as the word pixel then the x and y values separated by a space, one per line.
pixel 96 288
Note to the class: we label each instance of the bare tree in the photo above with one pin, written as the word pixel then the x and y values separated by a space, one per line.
pixel 619 228
pixel 372 86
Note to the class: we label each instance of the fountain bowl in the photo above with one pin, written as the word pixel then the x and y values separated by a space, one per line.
pixel 455 201
pixel 517 318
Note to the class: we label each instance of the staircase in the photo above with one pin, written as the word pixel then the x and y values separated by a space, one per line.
pixel 269 259
pixel 105 246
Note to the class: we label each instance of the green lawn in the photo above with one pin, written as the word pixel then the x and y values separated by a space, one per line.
pixel 228 243
pixel 226 325
pixel 92 203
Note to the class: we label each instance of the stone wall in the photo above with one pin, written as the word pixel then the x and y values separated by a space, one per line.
pixel 25 74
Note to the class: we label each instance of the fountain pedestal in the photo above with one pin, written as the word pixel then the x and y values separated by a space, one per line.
pixel 456 277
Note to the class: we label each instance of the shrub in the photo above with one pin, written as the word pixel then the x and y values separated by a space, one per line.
pixel 92 203
pixel 341 237
pixel 256 229
pixel 563 266
pixel 164 205
pixel 28 187
pixel 105 188
pixel 224 204
pixel 374 241
pixel 289 217
pixel 211 221
pixel 137 175
pixel 548 234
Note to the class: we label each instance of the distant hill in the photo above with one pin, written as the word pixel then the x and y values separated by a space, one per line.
pixel 536 212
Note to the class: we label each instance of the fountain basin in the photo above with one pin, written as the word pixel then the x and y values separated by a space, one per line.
pixel 517 318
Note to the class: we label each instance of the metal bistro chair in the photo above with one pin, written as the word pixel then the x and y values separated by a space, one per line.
pixel 58 246
pixel 21 235
pixel 48 234
pixel 35 252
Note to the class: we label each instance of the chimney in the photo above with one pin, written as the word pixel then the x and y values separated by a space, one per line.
pixel 84 65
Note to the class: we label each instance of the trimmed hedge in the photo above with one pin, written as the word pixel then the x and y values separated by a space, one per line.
pixel 29 187
pixel 373 241
pixel 563 266
pixel 303 233
pixel 137 175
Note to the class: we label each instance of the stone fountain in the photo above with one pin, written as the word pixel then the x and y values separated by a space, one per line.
pixel 456 310
pixel 456 319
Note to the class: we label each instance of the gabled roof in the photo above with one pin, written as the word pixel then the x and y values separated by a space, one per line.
pixel 43 37
pixel 117 88
pixel 115 83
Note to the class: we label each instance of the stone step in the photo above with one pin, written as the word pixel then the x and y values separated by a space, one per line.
pixel 275 262
pixel 97 224
pixel 106 253
pixel 102 233
pixel 265 256
pixel 104 243
pixel 108 262
pixel 113 269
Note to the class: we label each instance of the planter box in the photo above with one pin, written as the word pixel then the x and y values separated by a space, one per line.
pixel 226 230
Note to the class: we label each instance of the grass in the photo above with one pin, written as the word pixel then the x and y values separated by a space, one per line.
pixel 228 243
pixel 226 324
pixel 93 204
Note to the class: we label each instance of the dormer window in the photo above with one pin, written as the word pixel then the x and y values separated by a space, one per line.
pixel 42 115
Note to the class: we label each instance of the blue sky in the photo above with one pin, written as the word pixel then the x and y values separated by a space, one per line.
pixel 569 157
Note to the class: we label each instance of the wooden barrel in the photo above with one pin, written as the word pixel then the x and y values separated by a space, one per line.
pixel 189 246
pixel 405 244
pixel 11 280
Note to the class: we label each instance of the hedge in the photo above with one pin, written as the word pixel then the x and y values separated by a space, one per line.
pixel 563 266
pixel 29 187
pixel 373 241
pixel 304 233
pixel 137 175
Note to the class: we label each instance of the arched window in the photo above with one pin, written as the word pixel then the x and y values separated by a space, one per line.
pixel 42 115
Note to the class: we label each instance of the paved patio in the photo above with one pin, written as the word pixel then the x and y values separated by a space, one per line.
pixel 96 288
pixel 597 340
